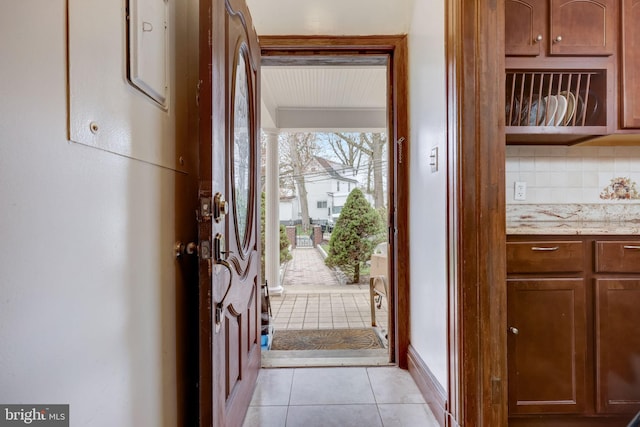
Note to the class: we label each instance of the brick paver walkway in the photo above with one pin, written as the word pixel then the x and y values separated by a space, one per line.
pixel 314 298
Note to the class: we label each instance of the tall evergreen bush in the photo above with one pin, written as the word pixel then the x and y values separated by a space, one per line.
pixel 358 230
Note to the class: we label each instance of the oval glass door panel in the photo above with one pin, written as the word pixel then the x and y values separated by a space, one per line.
pixel 241 148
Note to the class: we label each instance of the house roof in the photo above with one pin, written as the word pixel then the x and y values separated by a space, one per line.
pixel 334 169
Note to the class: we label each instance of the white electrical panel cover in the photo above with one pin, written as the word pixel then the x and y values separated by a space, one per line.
pixel 148 47
pixel 121 68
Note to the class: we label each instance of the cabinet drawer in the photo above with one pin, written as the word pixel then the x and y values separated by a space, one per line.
pixel 545 257
pixel 618 257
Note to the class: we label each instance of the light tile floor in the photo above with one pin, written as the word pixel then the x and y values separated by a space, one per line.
pixel 340 397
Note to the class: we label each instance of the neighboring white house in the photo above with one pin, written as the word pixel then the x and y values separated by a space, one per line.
pixel 289 209
pixel 328 184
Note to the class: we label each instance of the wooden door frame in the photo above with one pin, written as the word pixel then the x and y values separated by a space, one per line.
pixel 395 49
pixel 477 389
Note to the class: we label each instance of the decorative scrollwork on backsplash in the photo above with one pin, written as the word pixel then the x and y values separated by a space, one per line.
pixel 620 188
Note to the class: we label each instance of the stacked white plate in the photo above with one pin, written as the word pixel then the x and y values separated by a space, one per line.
pixel 551 106
pixel 572 105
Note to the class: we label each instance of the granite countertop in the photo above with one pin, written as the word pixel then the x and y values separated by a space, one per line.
pixel 574 219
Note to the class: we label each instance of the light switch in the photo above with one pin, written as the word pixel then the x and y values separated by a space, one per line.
pixel 433 159
pixel 148 48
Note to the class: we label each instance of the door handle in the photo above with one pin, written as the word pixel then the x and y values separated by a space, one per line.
pixel 549 249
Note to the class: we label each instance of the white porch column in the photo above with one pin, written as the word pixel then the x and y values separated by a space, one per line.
pixel 272 217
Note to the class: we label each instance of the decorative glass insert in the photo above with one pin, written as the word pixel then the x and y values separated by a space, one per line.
pixel 241 147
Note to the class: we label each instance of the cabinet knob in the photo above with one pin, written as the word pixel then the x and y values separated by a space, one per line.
pixel 513 330
pixel 557 39
pixel 538 38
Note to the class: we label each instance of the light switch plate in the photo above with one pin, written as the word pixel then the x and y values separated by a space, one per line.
pixel 433 159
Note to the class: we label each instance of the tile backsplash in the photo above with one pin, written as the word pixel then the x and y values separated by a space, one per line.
pixel 577 174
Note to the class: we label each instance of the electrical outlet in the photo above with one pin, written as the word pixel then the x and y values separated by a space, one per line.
pixel 520 191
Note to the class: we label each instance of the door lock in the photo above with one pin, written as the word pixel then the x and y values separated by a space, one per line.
pixel 220 207
pixel 219 249
pixel 181 249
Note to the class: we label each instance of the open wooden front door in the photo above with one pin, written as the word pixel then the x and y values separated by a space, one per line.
pixel 229 276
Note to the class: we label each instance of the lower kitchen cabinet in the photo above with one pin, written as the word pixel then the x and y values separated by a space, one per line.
pixel 618 345
pixel 546 346
pixel 573 346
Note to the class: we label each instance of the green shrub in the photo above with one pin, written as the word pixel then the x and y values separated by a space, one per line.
pixel 358 230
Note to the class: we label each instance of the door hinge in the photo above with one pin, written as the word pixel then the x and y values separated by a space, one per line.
pixel 400 151
pixel 496 391
pixel 198 86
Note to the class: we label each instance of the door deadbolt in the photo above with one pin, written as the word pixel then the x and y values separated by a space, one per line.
pixel 189 249
pixel 220 207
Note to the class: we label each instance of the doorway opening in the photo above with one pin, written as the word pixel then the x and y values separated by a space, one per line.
pixel 332 304
pixel 306 92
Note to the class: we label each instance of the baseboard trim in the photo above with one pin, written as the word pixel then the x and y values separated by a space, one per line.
pixel 431 389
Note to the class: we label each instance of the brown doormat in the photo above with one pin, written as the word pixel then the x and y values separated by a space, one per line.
pixel 326 339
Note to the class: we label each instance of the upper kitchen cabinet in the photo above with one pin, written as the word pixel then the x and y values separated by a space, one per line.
pixel 630 65
pixel 560 76
pixel 525 27
pixel 560 27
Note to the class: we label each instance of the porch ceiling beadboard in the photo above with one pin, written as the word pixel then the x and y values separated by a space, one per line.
pixel 324 97
pixel 320 98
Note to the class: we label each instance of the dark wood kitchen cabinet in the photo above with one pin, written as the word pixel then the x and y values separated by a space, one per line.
pixel 618 345
pixel 546 322
pixel 525 27
pixel 617 320
pixel 630 65
pixel 560 70
pixel 546 346
pixel 560 27
pixel 573 347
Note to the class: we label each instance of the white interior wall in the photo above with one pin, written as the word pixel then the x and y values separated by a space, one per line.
pixel 87 273
pixel 428 210
pixel 330 17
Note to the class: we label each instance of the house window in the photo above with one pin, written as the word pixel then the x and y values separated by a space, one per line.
pixel 322 204
pixel 338 183
pixel 349 187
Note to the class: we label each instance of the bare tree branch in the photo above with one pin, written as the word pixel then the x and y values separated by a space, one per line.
pixel 297 151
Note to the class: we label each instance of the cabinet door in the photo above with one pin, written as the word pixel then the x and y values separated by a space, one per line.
pixel 618 345
pixel 546 346
pixel 525 22
pixel 583 27
pixel 630 64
